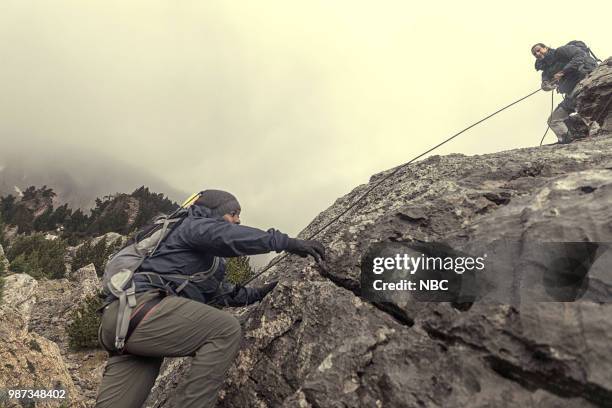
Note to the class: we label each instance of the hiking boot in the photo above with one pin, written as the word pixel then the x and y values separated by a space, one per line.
pixel 564 139
pixel 577 127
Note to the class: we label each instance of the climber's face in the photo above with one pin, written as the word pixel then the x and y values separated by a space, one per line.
pixel 233 217
pixel 539 52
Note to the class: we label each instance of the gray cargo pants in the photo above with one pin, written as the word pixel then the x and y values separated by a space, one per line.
pixel 175 327
pixel 557 119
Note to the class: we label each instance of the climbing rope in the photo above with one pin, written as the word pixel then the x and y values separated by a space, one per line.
pixel 368 191
pixel 552 108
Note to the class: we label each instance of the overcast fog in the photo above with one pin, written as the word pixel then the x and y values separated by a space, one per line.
pixel 289 105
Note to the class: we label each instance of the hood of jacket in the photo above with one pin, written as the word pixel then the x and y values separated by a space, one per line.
pixel 199 211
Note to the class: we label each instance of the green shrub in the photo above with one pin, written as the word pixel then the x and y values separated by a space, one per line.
pixel 97 254
pixel 238 270
pixel 83 331
pixel 37 256
pixel 27 264
pixel 1 287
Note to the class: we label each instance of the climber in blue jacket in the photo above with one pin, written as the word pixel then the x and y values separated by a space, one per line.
pixel 182 324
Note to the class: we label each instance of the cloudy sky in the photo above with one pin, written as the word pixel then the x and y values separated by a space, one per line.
pixel 287 104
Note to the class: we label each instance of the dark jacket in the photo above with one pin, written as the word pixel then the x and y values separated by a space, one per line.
pixel 192 247
pixel 571 60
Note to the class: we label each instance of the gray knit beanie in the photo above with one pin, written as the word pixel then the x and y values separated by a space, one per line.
pixel 219 202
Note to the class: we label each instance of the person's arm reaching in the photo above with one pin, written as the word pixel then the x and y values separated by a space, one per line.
pixel 224 239
pixel 221 238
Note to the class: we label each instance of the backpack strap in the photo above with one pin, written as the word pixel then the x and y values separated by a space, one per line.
pixel 593 55
pixel 199 276
pixel 127 301
pixel 142 312
pixel 162 235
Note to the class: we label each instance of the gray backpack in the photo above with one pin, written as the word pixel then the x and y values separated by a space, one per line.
pixel 590 60
pixel 582 45
pixel 119 272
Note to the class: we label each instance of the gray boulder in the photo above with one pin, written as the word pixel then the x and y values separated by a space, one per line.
pixel 28 360
pixel 594 101
pixel 314 342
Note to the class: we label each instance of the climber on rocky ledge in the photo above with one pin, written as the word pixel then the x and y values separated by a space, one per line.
pixel 182 325
pixel 562 68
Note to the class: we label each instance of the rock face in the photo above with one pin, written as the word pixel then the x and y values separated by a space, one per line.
pixel 594 100
pixel 34 345
pixel 28 360
pixel 55 302
pixel 314 342
pixel 110 237
pixel 88 280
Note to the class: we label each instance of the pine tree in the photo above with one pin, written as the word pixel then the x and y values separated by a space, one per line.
pixel 37 256
pixel 7 208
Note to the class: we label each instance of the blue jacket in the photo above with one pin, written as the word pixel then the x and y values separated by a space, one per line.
pixel 192 247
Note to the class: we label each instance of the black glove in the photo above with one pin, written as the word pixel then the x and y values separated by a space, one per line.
pixel 304 248
pixel 267 288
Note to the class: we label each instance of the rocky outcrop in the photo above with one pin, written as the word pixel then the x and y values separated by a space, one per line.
pixel 56 301
pixel 110 237
pixel 594 101
pixel 28 360
pixel 17 303
pixel 314 342
pixel 88 281
pixel 34 345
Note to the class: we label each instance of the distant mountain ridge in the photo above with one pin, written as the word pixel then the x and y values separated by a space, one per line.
pixel 78 181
